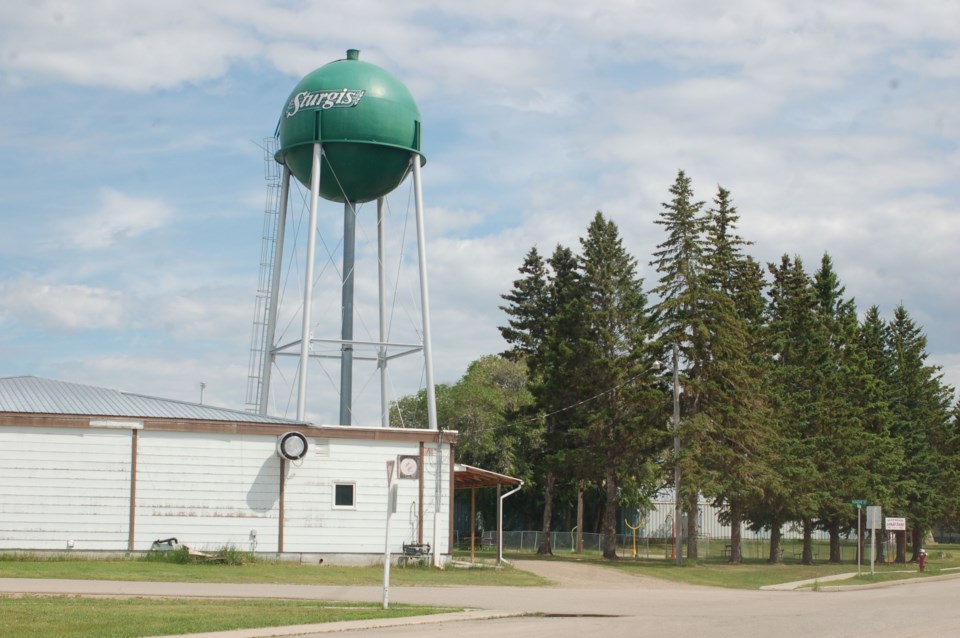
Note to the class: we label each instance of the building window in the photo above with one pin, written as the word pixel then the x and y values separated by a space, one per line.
pixel 343 496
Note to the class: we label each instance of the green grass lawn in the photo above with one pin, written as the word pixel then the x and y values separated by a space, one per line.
pixel 75 617
pixel 756 572
pixel 752 574
pixel 31 566
pixel 81 617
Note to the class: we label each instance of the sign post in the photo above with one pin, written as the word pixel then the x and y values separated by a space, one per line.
pixel 896 524
pixel 859 502
pixel 386 537
pixel 873 522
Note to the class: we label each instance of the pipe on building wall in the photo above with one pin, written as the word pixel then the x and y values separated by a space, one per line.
pixel 131 529
pixel 500 521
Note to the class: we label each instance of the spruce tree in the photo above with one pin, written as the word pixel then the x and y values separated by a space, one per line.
pixel 526 310
pixel 733 451
pixel 684 293
pixel 922 426
pixel 617 375
pixel 557 391
pixel 795 343
pixel 545 329
pixel 842 450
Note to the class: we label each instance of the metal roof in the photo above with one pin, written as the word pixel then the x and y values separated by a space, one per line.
pixel 467 476
pixel 35 395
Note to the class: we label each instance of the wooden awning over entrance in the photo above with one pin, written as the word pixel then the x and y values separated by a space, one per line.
pixel 469 477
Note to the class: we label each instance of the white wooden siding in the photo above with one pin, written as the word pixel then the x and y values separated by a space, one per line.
pixel 314 525
pixel 207 490
pixel 60 485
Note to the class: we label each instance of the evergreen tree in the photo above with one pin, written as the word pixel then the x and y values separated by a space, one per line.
pixel 922 426
pixel 545 310
pixel 733 450
pixel 843 448
pixel 557 391
pixel 795 343
pixel 616 435
pixel 685 293
pixel 526 311
pixel 724 248
pixel 870 387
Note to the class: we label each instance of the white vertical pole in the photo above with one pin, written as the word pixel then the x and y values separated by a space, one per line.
pixel 308 281
pixel 267 369
pixel 859 541
pixel 427 348
pixel 386 536
pixel 386 556
pixel 382 285
pixel 678 512
pixel 424 295
pixel 502 498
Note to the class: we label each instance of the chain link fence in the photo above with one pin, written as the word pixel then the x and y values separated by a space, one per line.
pixel 567 542
pixel 649 547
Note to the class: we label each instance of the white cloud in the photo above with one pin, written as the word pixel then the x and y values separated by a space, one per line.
pixel 202 315
pixel 61 307
pixel 119 217
pixel 134 45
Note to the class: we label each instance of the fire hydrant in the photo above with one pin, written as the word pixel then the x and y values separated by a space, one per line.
pixel 922 560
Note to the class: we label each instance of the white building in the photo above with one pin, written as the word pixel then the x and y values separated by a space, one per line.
pixel 657 522
pixel 91 469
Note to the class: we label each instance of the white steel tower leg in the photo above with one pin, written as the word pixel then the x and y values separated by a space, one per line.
pixel 308 281
pixel 268 340
pixel 382 285
pixel 424 295
pixel 428 351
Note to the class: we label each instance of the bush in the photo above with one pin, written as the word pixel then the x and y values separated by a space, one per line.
pixel 230 555
pixel 182 555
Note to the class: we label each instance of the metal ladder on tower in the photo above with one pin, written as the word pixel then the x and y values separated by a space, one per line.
pixel 259 348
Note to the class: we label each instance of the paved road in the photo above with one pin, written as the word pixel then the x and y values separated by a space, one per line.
pixel 589 601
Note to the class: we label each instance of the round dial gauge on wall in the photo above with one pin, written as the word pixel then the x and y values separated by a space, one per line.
pixel 408 467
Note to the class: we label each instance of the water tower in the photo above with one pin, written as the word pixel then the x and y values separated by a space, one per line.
pixel 350 132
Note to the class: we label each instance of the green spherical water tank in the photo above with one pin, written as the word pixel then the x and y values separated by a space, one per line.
pixel 367 122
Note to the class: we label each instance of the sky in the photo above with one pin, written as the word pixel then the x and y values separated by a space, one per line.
pixel 133 173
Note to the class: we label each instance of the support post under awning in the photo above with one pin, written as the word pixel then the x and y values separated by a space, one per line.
pixel 465 477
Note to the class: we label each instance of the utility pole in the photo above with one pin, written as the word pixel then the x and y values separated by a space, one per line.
pixel 677 513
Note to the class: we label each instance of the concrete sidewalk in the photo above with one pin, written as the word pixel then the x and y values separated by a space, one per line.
pixel 810 581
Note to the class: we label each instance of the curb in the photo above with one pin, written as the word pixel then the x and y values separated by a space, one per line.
pixel 891 583
pixel 353 625
pixel 837 588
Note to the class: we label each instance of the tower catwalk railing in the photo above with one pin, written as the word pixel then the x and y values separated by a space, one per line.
pixel 261 311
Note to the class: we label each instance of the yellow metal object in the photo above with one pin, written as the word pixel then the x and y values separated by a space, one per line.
pixel 634 530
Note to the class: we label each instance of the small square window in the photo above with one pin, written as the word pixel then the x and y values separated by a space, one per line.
pixel 343 495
